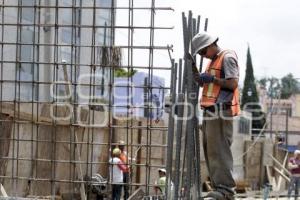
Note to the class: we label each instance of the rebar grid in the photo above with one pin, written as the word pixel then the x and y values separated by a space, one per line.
pixel 58 129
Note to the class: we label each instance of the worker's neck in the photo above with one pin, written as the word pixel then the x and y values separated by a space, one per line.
pixel 217 50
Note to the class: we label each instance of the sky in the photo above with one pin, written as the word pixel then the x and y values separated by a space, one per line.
pixel 270 27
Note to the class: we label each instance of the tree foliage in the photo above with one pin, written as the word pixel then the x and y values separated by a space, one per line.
pixel 250 99
pixel 280 88
pixel 120 72
pixel 249 93
pixel 289 86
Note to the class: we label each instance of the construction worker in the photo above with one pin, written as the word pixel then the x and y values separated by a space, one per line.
pixel 126 173
pixel 294 167
pixel 161 182
pixel 220 103
pixel 117 169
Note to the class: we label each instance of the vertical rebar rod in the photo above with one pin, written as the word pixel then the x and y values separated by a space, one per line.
pixel 150 85
pixel 184 85
pixel 72 137
pixel 201 59
pixel 129 123
pixel 171 129
pixel 131 85
pixel 2 57
pixel 35 56
pixel 16 103
pixel 35 143
pixel 179 121
pixel 56 78
pixel 189 125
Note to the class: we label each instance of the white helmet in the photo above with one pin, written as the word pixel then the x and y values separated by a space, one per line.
pixel 297 152
pixel 202 40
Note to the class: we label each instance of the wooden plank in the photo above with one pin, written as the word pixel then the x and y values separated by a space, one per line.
pixel 281 172
pixel 280 165
pixel 281 175
pixel 269 173
pixel 5 142
pixel 3 192
pixel 272 179
pixel 137 195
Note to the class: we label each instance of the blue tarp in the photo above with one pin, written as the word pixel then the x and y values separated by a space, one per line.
pixel 289 148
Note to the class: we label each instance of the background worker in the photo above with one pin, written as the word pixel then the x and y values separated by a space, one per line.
pixel 161 182
pixel 117 168
pixel 220 102
pixel 294 167
pixel 126 173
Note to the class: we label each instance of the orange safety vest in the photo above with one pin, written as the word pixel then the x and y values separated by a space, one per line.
pixel 211 91
pixel 123 158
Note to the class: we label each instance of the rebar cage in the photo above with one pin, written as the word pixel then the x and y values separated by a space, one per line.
pixel 78 76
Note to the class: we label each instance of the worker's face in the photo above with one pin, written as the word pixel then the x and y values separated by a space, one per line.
pixel 161 174
pixel 207 52
pixel 298 156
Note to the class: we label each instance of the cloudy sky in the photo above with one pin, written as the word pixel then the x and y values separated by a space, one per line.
pixel 270 27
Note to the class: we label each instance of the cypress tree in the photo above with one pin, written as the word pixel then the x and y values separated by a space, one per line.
pixel 249 95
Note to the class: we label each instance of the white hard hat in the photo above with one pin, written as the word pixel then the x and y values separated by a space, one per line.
pixel 162 170
pixel 297 152
pixel 202 40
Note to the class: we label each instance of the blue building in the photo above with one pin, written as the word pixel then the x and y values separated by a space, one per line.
pixel 143 97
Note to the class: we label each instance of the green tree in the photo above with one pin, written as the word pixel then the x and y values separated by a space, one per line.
pixel 249 93
pixel 250 99
pixel 120 72
pixel 263 82
pixel 272 85
pixel 289 86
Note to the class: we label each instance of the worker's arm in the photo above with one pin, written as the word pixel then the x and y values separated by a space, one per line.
pixel 122 166
pixel 230 84
pixel 291 165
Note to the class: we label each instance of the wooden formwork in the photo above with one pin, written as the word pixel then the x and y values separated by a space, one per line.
pixel 37 150
pixel 41 156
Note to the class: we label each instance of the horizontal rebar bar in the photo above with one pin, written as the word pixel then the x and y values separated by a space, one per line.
pixel 71 181
pixel 91 7
pixel 88 46
pixel 87 26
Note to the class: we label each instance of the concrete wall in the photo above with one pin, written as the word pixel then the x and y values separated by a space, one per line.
pixel 238 146
pixel 34 155
pixel 40 153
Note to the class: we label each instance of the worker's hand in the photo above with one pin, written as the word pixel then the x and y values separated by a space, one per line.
pixel 206 78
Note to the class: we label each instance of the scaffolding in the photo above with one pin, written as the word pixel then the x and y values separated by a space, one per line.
pixel 60 112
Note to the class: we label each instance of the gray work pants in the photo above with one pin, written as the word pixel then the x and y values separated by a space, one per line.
pixel 217 139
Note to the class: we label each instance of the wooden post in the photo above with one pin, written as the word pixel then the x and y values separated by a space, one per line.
pixel 139 156
pixel 3 192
